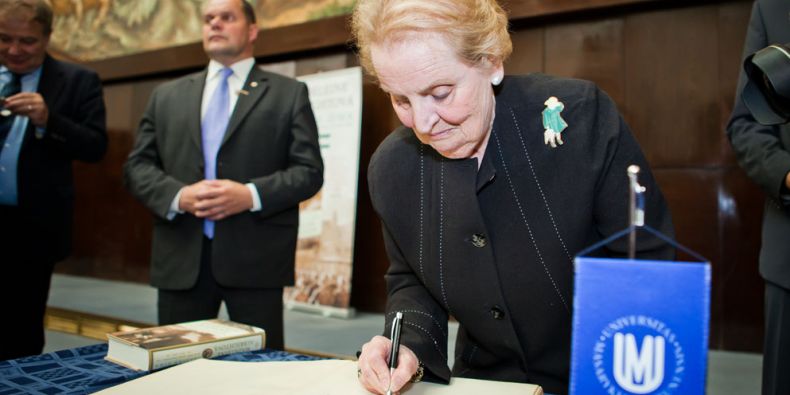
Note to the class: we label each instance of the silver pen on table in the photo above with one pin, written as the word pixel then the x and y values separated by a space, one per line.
pixel 395 338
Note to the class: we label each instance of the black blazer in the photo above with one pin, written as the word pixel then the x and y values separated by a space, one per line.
pixel 75 130
pixel 763 151
pixel 494 247
pixel 271 141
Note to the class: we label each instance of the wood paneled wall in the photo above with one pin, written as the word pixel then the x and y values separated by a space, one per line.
pixel 671 67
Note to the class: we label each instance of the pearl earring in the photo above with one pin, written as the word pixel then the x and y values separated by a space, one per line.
pixel 496 80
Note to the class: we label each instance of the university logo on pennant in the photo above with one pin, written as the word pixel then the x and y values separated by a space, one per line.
pixel 639 370
pixel 640 327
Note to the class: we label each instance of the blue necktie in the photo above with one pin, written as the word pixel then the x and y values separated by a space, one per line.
pixel 10 88
pixel 215 122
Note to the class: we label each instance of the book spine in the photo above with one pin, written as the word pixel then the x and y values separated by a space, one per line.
pixel 168 357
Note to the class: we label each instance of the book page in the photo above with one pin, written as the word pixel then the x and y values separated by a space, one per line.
pixel 329 377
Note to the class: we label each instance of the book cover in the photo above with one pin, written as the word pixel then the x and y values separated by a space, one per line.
pixel 163 346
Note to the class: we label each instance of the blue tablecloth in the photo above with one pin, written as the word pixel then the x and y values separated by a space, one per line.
pixel 83 370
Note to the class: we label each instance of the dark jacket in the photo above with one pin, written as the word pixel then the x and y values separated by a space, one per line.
pixel 762 151
pixel 271 141
pixel 494 247
pixel 75 131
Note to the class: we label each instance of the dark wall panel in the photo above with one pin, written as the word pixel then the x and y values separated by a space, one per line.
pixel 740 213
pixel 591 50
pixel 112 231
pixel 527 51
pixel 717 212
pixel 533 8
pixel 733 20
pixel 692 195
pixel 671 64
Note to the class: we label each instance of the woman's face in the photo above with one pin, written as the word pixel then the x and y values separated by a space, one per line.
pixel 448 103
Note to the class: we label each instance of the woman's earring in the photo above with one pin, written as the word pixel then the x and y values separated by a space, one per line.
pixel 496 80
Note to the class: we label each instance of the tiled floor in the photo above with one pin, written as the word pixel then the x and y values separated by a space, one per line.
pixel 729 373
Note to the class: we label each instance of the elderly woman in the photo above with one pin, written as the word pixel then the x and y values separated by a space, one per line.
pixel 485 195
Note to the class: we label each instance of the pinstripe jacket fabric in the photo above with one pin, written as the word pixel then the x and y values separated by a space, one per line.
pixel 494 247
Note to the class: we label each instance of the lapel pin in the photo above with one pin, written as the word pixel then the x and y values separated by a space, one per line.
pixel 553 122
pixel 254 84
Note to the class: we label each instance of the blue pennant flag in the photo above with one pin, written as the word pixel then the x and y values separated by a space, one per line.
pixel 640 327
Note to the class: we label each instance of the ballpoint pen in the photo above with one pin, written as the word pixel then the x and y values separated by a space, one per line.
pixel 395 338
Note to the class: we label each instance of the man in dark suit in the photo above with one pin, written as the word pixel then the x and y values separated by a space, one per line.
pixel 53 114
pixel 764 152
pixel 222 158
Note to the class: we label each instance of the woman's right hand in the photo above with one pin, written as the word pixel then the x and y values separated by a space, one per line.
pixel 373 372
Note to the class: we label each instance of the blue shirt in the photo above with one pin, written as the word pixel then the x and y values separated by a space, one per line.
pixel 9 156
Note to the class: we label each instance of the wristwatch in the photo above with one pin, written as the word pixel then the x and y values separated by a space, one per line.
pixel 419 373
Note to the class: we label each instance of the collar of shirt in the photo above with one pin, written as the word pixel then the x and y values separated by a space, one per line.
pixel 241 70
pixel 29 81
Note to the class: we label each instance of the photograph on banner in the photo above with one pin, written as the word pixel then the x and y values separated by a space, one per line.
pixel 325 244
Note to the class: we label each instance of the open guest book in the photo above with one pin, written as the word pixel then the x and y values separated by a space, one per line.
pixel 163 346
pixel 327 377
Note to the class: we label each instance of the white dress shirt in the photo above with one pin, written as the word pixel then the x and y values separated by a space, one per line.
pixel 241 70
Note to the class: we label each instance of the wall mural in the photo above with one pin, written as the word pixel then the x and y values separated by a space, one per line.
pixel 88 30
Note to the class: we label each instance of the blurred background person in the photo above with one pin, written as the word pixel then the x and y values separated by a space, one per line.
pixel 222 159
pixel 53 113
pixel 762 151
pixel 485 194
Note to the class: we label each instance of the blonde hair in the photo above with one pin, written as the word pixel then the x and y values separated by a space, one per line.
pixel 477 29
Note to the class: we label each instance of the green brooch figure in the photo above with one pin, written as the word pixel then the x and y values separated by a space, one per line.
pixel 553 122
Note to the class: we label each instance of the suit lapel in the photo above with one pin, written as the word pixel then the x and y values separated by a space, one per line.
pixel 194 97
pixel 50 83
pixel 253 90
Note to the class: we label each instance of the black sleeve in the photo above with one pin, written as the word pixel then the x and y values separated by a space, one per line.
pixel 82 134
pixel 758 148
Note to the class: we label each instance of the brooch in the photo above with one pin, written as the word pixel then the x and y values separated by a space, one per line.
pixel 553 122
